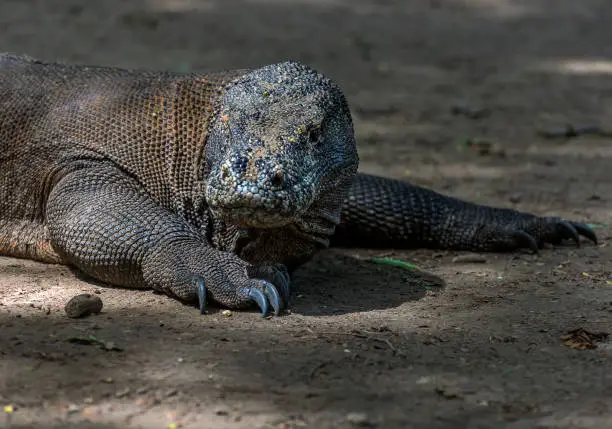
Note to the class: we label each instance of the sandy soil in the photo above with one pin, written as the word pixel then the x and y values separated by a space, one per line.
pixel 455 345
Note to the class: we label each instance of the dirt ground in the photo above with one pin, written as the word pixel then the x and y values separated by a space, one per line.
pixel 453 345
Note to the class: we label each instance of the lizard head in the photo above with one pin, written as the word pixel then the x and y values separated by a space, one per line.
pixel 280 150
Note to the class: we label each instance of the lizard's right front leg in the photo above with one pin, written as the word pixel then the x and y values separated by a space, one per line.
pixel 103 222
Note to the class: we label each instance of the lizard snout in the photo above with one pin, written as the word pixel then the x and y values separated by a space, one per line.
pixel 260 173
pixel 253 191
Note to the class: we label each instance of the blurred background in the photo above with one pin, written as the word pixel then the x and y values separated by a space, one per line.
pixel 426 79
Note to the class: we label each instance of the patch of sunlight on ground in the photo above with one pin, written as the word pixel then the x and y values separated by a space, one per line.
pixel 594 151
pixel 594 66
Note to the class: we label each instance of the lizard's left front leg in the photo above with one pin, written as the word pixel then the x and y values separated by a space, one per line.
pixel 103 222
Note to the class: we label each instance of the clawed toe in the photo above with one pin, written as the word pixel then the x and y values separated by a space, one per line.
pixel 261 292
pixel 283 283
pixel 568 232
pixel 201 293
pixel 260 299
pixel 273 297
pixel 525 240
pixel 266 296
pixel 537 232
pixel 585 231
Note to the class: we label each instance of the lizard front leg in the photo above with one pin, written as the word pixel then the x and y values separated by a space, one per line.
pixel 104 223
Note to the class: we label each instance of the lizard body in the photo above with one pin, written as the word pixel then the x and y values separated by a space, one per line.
pixel 210 186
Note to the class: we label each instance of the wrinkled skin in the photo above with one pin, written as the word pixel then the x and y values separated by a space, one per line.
pixel 211 187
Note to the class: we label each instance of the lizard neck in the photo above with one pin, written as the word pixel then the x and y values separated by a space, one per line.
pixel 183 156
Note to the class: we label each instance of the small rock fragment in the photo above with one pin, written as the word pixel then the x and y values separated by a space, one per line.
pixel 83 305
pixel 110 346
pixel 123 392
pixel 582 339
pixel 358 419
pixel 73 408
pixel 516 197
pixel 448 392
pixel 170 392
pixel 221 411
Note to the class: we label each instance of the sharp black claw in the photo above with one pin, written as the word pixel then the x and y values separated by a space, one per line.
pixel 585 231
pixel 201 292
pixel 569 232
pixel 260 299
pixel 525 240
pixel 282 281
pixel 274 297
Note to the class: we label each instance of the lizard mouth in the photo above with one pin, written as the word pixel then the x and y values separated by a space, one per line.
pixel 248 217
pixel 255 207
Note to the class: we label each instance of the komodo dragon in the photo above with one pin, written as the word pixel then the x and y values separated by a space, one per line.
pixel 211 186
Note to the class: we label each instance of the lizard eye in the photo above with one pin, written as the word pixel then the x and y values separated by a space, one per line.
pixel 314 134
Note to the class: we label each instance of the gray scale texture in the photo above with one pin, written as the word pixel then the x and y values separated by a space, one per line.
pixel 210 186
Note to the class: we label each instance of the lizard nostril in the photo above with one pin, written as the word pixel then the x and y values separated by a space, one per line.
pixel 225 172
pixel 277 179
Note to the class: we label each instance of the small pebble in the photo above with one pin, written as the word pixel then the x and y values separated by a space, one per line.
pixel 221 411
pixel 516 197
pixel 83 305
pixel 358 419
pixel 73 408
pixel 123 392
pixel 170 392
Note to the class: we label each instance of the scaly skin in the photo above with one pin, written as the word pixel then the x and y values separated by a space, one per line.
pixel 210 186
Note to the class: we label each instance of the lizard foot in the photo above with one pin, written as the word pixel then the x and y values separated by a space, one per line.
pixel 224 279
pixel 538 231
pixel 263 292
pixel 569 230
